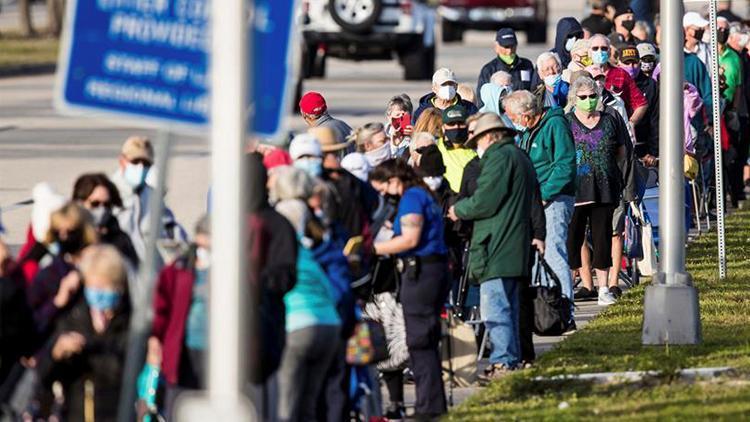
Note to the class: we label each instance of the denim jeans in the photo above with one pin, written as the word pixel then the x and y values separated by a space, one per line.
pixel 500 308
pixel 558 213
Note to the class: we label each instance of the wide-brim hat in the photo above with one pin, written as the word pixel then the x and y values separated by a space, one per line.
pixel 487 123
pixel 327 138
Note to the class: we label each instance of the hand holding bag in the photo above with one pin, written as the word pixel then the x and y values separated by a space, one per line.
pixel 552 310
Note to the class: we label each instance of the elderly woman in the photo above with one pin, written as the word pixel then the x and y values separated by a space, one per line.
pixel 599 142
pixel 554 92
pixel 399 127
pixel 421 140
pixel 372 141
pixel 88 348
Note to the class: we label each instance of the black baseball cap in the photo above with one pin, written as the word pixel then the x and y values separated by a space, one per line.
pixel 506 37
pixel 454 114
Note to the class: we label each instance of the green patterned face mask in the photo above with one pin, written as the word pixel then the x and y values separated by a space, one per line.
pixel 507 59
pixel 587 105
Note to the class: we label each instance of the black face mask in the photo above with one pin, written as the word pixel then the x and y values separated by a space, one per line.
pixel 73 244
pixel 722 36
pixel 392 199
pixel 457 136
pixel 698 34
pixel 629 25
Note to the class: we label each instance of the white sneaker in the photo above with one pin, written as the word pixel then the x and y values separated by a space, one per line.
pixel 605 297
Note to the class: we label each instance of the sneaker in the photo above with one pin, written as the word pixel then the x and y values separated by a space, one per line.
pixel 585 294
pixel 494 372
pixel 572 328
pixel 395 413
pixel 605 297
pixel 616 291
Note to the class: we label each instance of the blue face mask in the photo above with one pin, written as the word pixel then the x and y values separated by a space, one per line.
pixel 311 166
pixel 600 57
pixel 101 299
pixel 552 80
pixel 520 128
pixel 135 175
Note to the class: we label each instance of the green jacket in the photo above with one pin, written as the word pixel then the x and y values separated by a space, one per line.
pixel 552 150
pixel 500 209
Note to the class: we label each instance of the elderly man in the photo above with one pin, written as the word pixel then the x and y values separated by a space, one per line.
pixel 444 94
pixel 506 59
pixel 500 252
pixel 695 26
pixel 546 137
pixel 617 80
pixel 553 92
pixel 315 113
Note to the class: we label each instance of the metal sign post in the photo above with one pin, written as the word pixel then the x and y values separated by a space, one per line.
pixel 671 314
pixel 718 156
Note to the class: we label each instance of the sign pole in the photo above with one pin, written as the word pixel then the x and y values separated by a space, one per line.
pixel 671 314
pixel 718 157
pixel 142 289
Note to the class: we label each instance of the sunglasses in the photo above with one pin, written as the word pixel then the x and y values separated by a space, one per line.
pixel 97 204
pixel 143 161
pixel 586 97
pixel 599 48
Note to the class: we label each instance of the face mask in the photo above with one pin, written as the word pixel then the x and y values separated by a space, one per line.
pixel 509 59
pixel 629 25
pixel 72 244
pixel 447 92
pixel 378 155
pixel 586 61
pixel 587 105
pixel 457 136
pixel 505 90
pixel 569 43
pixel 101 299
pixel 433 182
pixel 600 57
pixel 519 127
pixel 101 215
pixel 311 166
pixel 648 67
pixel 552 80
pixel 203 256
pixel 744 39
pixel 722 36
pixel 480 152
pixel 135 175
pixel 698 34
pixel 632 71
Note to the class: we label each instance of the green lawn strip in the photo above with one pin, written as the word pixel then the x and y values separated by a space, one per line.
pixel 612 343
pixel 17 52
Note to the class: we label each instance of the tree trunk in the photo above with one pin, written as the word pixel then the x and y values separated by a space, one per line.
pixel 55 15
pixel 24 8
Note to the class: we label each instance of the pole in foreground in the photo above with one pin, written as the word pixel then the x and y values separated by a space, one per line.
pixel 671 314
pixel 226 358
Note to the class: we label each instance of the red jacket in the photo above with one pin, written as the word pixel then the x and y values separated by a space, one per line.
pixel 174 292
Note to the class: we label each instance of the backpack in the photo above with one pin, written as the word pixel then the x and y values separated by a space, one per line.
pixel 552 316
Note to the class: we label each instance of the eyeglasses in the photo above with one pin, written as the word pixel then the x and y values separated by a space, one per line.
pixel 599 48
pixel 586 97
pixel 97 204
pixel 143 161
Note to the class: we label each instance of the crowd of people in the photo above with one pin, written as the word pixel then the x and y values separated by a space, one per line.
pixel 373 224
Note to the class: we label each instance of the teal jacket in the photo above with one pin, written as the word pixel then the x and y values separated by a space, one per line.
pixel 311 301
pixel 500 208
pixel 552 150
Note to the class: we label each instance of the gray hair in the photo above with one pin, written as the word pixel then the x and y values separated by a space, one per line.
pixel 402 101
pixel 291 183
pixel 544 57
pixel 646 28
pixel 420 137
pixel 521 102
pixel 599 36
pixel 583 82
pixel 501 78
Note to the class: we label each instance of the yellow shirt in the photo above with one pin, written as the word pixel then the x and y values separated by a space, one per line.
pixel 455 160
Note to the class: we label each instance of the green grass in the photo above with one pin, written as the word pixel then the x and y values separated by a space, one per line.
pixel 18 53
pixel 612 342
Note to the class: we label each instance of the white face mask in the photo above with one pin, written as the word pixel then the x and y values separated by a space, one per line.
pixel 378 155
pixel 433 182
pixel 135 175
pixel 203 256
pixel 447 92
pixel 569 44
pixel 480 152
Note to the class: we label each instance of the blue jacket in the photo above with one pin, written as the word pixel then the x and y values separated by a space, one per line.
pixel 426 102
pixel 311 301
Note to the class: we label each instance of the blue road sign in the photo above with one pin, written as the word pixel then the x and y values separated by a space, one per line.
pixel 272 63
pixel 139 58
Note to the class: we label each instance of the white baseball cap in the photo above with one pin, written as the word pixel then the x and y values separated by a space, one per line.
pixel 693 19
pixel 442 76
pixel 305 144
pixel 646 49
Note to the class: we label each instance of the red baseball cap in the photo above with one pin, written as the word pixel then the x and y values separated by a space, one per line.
pixel 276 158
pixel 313 103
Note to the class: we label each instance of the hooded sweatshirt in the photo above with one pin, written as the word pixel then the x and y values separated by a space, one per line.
pixel 552 151
pixel 565 27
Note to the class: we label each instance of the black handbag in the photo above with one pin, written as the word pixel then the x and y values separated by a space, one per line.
pixel 552 310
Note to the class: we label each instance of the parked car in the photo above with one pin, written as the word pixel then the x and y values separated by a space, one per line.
pixel 368 30
pixel 522 15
